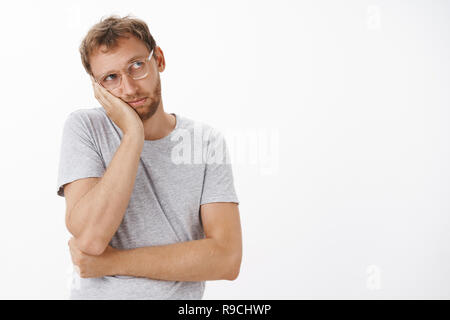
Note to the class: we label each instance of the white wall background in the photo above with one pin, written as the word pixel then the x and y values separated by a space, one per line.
pixel 345 191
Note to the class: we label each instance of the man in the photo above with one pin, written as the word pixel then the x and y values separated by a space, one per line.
pixel 148 220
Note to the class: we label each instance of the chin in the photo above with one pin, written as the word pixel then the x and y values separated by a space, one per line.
pixel 147 111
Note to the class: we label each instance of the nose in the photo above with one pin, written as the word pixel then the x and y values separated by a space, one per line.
pixel 129 86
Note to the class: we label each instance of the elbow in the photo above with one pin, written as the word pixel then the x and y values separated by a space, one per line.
pixel 231 262
pixel 234 268
pixel 87 242
pixel 92 246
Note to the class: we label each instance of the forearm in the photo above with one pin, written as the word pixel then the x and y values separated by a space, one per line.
pixel 98 214
pixel 197 260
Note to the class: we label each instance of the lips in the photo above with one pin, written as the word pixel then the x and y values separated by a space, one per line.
pixel 138 102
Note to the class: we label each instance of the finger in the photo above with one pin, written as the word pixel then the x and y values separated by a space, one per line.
pixel 96 91
pixel 101 93
pixel 93 80
pixel 95 85
pixel 100 96
pixel 108 96
pixel 105 103
pixel 105 91
pixel 104 98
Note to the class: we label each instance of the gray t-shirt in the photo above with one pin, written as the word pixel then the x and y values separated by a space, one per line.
pixel 176 174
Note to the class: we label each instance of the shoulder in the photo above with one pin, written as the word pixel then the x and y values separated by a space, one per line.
pixel 87 115
pixel 86 123
pixel 86 118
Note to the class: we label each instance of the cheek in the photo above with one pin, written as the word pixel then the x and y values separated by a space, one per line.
pixel 152 81
pixel 148 86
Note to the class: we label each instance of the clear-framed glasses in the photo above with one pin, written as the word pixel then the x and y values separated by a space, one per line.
pixel 137 70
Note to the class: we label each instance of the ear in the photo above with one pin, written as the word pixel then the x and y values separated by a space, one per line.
pixel 160 60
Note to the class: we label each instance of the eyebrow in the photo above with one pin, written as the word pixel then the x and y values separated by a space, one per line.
pixel 128 62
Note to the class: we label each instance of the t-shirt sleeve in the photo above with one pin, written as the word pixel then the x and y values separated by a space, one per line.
pixel 218 185
pixel 79 157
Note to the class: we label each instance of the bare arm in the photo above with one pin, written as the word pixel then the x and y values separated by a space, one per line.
pixel 94 218
pixel 95 207
pixel 197 260
pixel 217 257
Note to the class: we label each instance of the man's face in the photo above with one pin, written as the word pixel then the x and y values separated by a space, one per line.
pixel 118 58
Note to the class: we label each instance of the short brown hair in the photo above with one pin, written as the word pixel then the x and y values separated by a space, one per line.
pixel 108 31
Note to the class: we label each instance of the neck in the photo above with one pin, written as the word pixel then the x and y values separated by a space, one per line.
pixel 159 125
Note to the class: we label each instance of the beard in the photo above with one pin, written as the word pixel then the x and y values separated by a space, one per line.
pixel 147 111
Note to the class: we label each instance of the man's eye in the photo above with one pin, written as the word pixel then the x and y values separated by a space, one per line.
pixel 137 65
pixel 110 77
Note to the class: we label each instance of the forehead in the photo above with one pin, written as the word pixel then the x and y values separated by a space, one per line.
pixel 103 60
